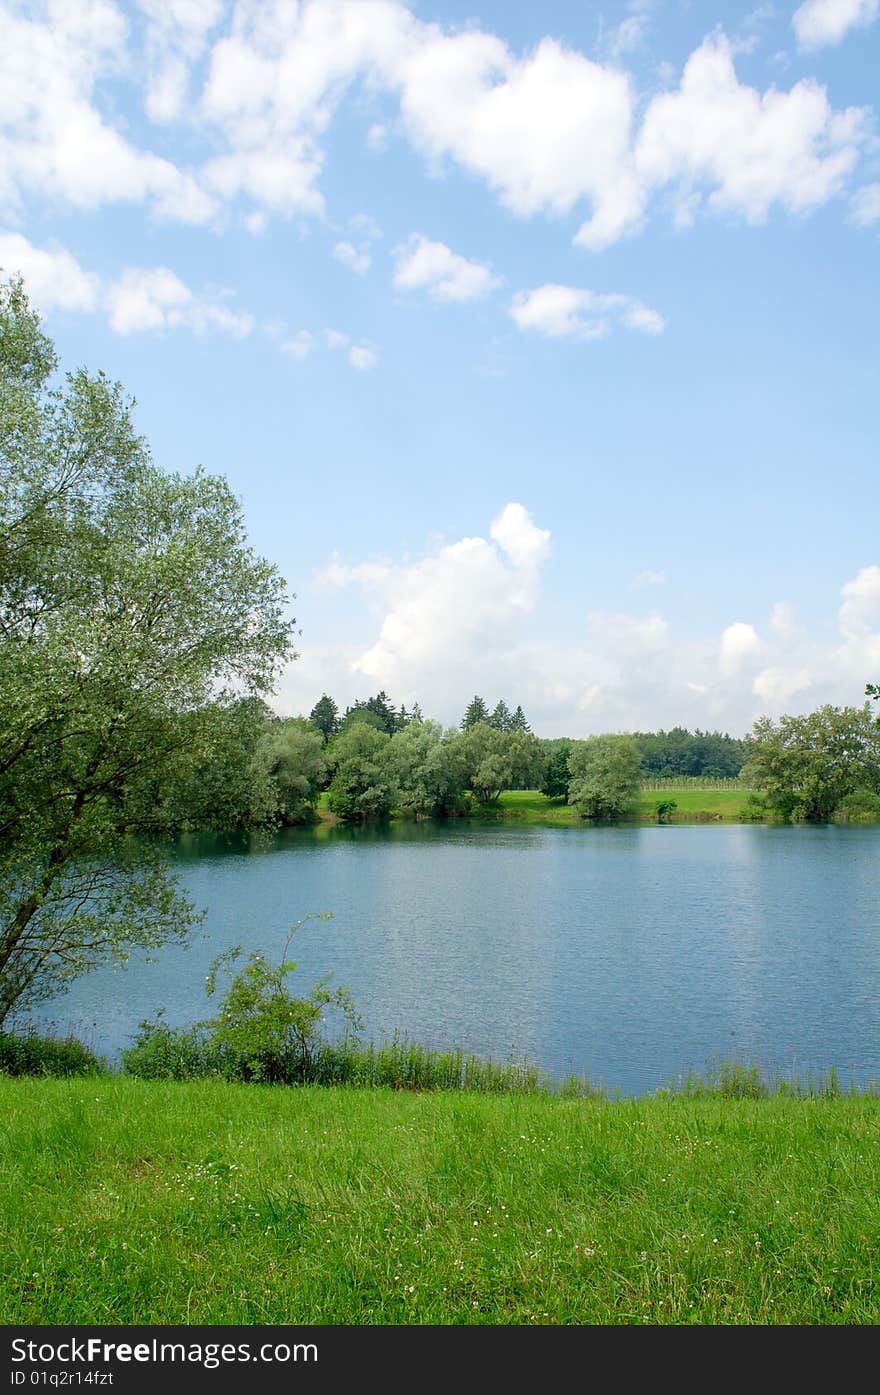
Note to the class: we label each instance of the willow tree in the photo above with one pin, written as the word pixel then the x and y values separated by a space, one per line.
pixel 130 602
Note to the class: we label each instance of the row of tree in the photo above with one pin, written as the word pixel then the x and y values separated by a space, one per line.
pixel 255 769
pixel 379 713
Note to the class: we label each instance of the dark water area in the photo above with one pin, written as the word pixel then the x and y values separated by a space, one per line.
pixel 628 955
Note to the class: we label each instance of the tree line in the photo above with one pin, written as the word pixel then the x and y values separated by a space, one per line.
pixel 260 770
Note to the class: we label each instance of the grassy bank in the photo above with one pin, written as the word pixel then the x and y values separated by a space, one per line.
pixel 532 807
pixel 692 806
pixel 130 1201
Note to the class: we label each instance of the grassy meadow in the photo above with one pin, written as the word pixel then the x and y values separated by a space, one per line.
pixel 693 805
pixel 530 806
pixel 126 1201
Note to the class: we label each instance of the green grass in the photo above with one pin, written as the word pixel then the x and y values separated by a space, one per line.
pixel 693 805
pixel 125 1201
pixel 530 806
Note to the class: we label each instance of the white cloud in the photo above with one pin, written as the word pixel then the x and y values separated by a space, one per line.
pixel 54 141
pixel 177 35
pixel 782 619
pixel 299 345
pixel 377 137
pixel 647 578
pixel 357 258
pixel 740 646
pixel 550 131
pixel 628 636
pixel 467 616
pixel 516 535
pixel 141 298
pixel 748 150
pixel 454 612
pixel 632 31
pixel 155 298
pixel 434 267
pixel 363 357
pixel 866 206
pixel 560 312
pixel 820 22
pixel 53 278
pixel 777 686
pixel 861 603
pixel 545 131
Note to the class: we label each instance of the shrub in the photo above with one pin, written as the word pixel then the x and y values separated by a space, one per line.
pixel 862 806
pixel 30 1054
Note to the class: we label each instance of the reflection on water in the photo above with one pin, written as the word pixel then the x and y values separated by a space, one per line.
pixel 625 954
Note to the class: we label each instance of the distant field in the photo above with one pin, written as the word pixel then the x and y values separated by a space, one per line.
pixel 528 806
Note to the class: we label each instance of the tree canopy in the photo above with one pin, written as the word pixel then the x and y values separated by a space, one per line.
pixel 605 774
pixel 130 603
pixel 807 766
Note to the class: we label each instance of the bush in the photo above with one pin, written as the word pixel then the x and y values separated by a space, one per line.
pixel 261 1032
pixel 862 806
pixel 754 810
pixel 30 1054
pixel 161 1052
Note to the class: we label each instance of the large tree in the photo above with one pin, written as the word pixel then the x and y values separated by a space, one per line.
pixel 492 760
pixel 421 765
pixel 604 775
pixel 130 604
pixel 362 786
pixel 807 766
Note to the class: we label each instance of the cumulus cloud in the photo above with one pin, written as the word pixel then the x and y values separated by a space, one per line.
pixel 565 312
pixel 749 150
pixel 141 298
pixel 468 616
pixel 298 345
pixel 176 36
pixel 54 279
pixel 54 140
pixel 777 686
pixel 820 22
pixel 358 258
pixel 435 268
pixel 739 646
pixel 860 611
pixel 525 545
pixel 460 607
pixel 866 206
pixel 545 131
pixel 363 357
pixel 647 578
pixel 550 132
pixel 155 298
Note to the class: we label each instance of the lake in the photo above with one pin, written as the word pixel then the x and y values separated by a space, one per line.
pixel 625 954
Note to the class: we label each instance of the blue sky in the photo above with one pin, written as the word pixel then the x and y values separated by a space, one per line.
pixel 539 342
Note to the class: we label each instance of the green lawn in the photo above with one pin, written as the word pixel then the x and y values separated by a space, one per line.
pixel 694 805
pixel 130 1202
pixel 529 806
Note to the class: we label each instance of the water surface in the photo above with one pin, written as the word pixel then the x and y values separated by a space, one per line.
pixel 626 954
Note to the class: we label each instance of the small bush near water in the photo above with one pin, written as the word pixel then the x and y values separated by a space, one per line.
pixel 30 1054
